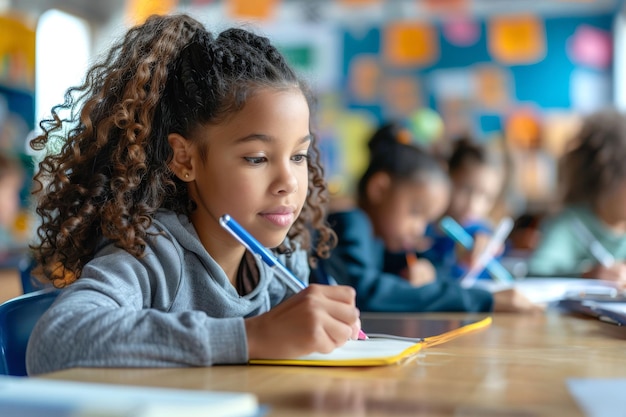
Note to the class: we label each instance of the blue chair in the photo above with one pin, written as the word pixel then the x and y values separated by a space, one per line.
pixel 17 320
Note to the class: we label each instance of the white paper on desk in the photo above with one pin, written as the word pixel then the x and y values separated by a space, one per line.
pixel 599 397
pixel 33 396
pixel 364 349
pixel 546 290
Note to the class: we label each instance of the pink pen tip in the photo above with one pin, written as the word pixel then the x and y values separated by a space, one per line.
pixel 362 335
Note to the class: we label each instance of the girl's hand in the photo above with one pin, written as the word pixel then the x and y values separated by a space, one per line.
pixel 469 257
pixel 615 273
pixel 420 272
pixel 512 301
pixel 320 318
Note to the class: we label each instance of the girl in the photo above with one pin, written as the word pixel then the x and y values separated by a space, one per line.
pixel 402 190
pixel 477 182
pixel 176 128
pixel 593 177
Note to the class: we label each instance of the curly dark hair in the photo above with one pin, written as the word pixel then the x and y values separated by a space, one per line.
pixel 595 158
pixel 168 75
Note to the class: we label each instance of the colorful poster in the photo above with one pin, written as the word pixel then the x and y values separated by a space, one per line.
pixel 461 31
pixel 410 44
pixel 452 83
pixel 364 78
pixel 589 90
pixel 492 87
pixel 401 96
pixel 257 9
pixel 17 53
pixel 559 127
pixel 523 129
pixel 306 47
pixel 137 11
pixel 591 46
pixel 517 39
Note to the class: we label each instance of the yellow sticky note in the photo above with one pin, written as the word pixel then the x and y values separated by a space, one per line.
pixel 517 39
pixel 17 52
pixel 410 44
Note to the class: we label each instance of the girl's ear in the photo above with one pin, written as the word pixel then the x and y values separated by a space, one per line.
pixel 377 187
pixel 182 163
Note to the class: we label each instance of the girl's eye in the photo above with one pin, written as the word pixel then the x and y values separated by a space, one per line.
pixel 300 158
pixel 255 160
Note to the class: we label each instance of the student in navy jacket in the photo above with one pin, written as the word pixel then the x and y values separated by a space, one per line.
pixel 403 189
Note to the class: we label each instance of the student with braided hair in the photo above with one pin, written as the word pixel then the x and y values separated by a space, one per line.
pixel 172 129
pixel 402 190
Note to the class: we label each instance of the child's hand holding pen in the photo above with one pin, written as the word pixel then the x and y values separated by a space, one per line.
pixel 615 272
pixel 419 271
pixel 470 256
pixel 319 318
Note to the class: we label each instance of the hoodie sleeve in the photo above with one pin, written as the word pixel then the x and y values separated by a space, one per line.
pixel 357 261
pixel 119 314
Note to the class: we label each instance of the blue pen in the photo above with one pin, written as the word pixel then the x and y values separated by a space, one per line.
pixel 456 232
pixel 255 247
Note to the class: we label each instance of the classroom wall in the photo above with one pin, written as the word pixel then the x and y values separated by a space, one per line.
pixel 515 74
pixel 522 80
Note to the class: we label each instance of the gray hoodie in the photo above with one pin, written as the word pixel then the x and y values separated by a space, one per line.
pixel 173 307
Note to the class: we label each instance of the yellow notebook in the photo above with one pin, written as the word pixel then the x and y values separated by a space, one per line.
pixel 378 350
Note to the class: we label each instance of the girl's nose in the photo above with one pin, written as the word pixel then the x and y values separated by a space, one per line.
pixel 286 180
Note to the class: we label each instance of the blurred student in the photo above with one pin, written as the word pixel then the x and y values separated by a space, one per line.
pixel 403 189
pixel 587 237
pixel 12 178
pixel 477 179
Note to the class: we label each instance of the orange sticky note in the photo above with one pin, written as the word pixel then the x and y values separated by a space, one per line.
pixel 401 95
pixel 517 39
pixel 364 80
pixel 410 44
pixel 492 86
pixel 137 11
pixel 257 9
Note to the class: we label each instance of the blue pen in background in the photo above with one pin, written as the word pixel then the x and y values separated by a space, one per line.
pixel 456 232
pixel 255 247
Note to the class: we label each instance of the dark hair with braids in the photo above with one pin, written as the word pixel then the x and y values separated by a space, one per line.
pixel 466 152
pixel 393 150
pixel 594 161
pixel 111 175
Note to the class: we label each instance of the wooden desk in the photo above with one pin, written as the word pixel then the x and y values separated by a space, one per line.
pixel 515 368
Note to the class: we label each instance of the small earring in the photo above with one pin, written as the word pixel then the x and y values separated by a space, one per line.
pixel 186 175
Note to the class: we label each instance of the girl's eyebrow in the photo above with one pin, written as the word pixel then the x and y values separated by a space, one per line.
pixel 265 138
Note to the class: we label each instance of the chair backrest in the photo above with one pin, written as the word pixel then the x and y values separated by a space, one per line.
pixel 17 320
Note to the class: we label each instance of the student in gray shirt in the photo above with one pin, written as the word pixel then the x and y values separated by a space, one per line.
pixel 172 129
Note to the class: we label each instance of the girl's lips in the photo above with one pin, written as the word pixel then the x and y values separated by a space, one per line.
pixel 279 219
